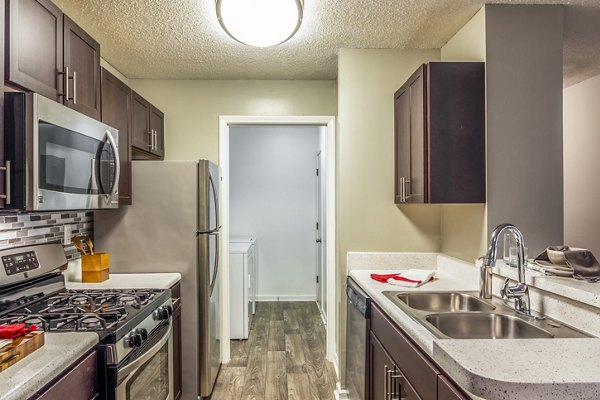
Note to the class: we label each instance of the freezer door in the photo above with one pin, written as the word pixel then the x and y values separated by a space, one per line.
pixel 210 334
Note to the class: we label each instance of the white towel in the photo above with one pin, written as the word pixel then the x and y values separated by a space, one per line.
pixel 412 278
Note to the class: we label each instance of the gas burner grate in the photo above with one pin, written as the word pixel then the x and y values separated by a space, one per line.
pixel 83 310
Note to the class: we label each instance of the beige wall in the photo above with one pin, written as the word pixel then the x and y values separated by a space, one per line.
pixel 581 144
pixel 368 219
pixel 192 108
pixel 464 226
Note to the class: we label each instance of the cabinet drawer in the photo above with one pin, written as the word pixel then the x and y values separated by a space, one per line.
pixel 80 382
pixel 419 371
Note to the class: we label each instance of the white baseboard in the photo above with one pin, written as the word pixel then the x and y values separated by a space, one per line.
pixel 286 297
pixel 339 393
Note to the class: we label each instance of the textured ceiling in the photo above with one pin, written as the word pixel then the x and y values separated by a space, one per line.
pixel 182 39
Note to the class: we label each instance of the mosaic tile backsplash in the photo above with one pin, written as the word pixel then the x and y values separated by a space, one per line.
pixel 24 229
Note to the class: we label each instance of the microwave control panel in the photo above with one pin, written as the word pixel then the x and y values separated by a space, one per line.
pixel 21 262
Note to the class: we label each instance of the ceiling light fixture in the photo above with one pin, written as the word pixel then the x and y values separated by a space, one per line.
pixel 260 23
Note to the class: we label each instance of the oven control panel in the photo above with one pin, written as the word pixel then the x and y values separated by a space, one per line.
pixel 20 262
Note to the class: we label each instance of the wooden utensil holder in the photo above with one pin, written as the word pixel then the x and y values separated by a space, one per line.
pixel 95 267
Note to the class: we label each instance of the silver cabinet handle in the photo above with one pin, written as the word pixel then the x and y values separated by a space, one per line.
pixel 66 83
pixel 386 392
pixel 74 87
pixel 395 374
pixel 151 144
pixel 407 193
pixel 6 195
pixel 156 140
pixel 402 187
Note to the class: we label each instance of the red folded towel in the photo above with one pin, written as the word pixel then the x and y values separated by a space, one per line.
pixel 13 331
pixel 410 278
pixel 383 278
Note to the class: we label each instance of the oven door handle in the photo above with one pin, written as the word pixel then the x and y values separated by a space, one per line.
pixel 111 140
pixel 138 362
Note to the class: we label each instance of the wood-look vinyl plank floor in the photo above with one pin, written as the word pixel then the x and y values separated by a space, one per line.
pixel 283 358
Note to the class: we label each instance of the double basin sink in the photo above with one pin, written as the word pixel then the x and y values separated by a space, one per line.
pixel 463 315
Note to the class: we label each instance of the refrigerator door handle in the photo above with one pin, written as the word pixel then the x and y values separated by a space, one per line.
pixel 213 279
pixel 216 199
pixel 212 231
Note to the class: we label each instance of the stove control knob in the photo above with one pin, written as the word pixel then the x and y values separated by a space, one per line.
pixel 169 310
pixel 134 340
pixel 161 313
pixel 143 332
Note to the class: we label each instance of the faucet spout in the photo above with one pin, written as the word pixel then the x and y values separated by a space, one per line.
pixel 519 292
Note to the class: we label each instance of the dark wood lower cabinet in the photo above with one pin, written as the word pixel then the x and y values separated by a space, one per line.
pixel 79 383
pixel 448 391
pixel 177 377
pixel 400 370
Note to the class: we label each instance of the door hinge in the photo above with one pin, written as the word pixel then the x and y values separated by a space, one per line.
pixel 317 171
pixel 317 278
pixel 317 226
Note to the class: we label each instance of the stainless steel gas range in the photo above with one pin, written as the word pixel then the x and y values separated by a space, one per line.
pixel 134 325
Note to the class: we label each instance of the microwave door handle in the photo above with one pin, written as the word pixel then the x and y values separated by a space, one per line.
pixel 113 144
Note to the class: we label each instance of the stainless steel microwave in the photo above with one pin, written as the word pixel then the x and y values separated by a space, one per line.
pixel 57 158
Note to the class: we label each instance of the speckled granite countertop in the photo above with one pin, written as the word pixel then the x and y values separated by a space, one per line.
pixel 131 281
pixel 31 374
pixel 495 369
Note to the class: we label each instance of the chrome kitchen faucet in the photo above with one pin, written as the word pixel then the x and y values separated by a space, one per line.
pixel 519 292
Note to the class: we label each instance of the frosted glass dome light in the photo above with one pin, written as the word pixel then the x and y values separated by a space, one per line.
pixel 260 23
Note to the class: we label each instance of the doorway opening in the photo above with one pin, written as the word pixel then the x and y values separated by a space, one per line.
pixel 323 204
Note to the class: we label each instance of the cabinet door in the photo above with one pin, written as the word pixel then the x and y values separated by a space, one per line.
pixel 447 390
pixel 82 58
pixel 140 123
pixel 417 189
pixel 157 126
pixel 380 365
pixel 80 382
pixel 402 142
pixel 3 199
pixel 386 379
pixel 35 46
pixel 116 112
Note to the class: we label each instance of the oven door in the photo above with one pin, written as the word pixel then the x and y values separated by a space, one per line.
pixel 149 376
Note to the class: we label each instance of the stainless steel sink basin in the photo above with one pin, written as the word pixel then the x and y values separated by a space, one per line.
pixel 485 326
pixel 462 315
pixel 444 302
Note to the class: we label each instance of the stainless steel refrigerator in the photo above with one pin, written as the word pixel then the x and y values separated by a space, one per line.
pixel 173 226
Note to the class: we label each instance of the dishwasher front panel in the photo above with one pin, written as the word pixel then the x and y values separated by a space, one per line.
pixel 357 331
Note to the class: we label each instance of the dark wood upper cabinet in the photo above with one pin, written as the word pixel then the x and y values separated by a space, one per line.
pixel 147 135
pixel 157 127
pixel 34 53
pixel 49 54
pixel 440 135
pixel 116 112
pixel 3 182
pixel 82 61
pixel 140 123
